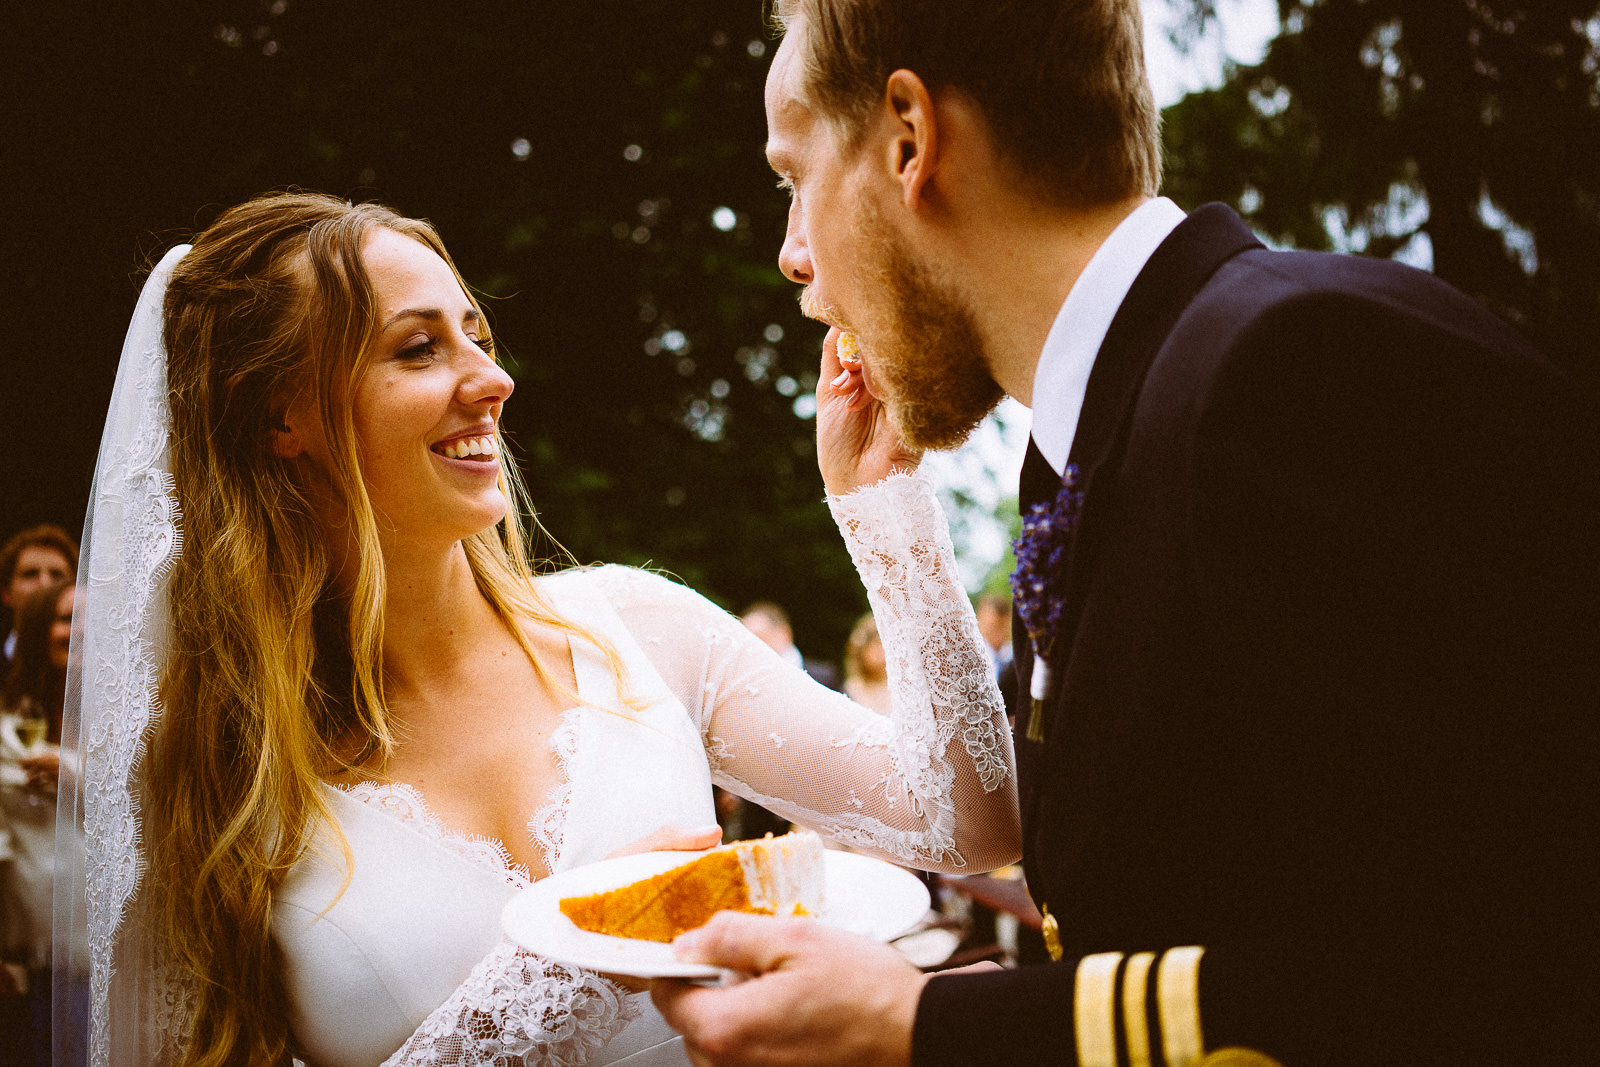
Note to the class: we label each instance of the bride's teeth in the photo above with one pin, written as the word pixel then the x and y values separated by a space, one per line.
pixel 470 446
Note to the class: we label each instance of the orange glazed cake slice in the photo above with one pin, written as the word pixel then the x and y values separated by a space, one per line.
pixel 773 876
pixel 848 349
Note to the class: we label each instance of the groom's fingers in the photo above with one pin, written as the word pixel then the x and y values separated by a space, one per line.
pixel 735 941
pixel 830 353
pixel 718 1021
pixel 818 996
pixel 729 1024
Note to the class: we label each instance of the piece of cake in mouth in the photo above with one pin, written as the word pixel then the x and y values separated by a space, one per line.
pixel 772 876
pixel 848 349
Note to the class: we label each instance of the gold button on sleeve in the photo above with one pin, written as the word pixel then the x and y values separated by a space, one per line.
pixel 1238 1057
pixel 1052 933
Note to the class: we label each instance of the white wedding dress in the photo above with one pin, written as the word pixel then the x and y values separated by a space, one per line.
pixel 406 964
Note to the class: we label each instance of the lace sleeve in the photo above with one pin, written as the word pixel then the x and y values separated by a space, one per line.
pixel 170 1005
pixel 933 783
pixel 519 1009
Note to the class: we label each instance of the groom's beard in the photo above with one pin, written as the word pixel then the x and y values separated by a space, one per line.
pixel 925 355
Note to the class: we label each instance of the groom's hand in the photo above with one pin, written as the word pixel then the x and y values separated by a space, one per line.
pixel 857 445
pixel 819 996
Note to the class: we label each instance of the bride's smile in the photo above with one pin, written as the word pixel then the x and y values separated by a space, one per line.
pixel 479 449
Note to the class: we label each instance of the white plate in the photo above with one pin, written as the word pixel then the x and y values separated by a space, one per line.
pixel 864 895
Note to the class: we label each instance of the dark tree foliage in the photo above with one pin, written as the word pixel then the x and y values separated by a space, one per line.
pixel 574 157
pixel 1441 117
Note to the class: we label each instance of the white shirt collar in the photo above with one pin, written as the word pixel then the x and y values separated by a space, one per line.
pixel 1081 324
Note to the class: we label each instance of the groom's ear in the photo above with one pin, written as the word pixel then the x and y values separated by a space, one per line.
pixel 914 141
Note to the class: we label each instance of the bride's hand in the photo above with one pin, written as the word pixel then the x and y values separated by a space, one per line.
pixel 672 838
pixel 856 443
pixel 668 838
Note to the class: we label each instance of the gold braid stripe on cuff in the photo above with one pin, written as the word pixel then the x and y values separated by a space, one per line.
pixel 1177 995
pixel 1094 1009
pixel 1178 1001
pixel 1135 1017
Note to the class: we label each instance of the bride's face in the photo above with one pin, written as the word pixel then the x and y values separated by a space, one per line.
pixel 426 406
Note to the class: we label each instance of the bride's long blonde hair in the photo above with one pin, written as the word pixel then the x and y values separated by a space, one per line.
pixel 273 682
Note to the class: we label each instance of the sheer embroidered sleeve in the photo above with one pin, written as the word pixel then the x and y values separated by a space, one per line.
pixel 169 1009
pixel 517 1009
pixel 933 783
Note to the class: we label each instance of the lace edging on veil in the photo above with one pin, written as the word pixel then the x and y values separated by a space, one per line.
pixel 131 538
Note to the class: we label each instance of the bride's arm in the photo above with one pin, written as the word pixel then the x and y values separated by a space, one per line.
pixel 933 783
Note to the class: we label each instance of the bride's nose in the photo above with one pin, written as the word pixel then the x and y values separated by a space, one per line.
pixel 485 382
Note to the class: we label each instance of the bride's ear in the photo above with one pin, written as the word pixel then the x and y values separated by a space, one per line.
pixel 283 439
pixel 289 424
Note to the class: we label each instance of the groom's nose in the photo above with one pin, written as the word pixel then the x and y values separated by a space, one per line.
pixel 794 258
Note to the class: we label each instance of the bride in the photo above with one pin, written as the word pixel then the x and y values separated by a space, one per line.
pixel 329 721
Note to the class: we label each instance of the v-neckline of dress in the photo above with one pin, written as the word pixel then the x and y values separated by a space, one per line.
pixel 408 805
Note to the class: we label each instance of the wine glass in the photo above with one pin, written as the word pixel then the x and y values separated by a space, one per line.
pixel 31 732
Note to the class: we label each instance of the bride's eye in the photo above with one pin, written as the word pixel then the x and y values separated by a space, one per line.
pixel 422 350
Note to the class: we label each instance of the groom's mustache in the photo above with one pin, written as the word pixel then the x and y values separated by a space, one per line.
pixel 812 308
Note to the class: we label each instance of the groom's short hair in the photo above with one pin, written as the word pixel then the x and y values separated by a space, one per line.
pixel 1061 83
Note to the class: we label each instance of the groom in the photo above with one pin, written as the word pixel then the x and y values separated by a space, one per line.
pixel 1309 775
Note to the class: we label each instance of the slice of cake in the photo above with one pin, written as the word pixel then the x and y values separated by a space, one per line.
pixel 773 876
pixel 848 350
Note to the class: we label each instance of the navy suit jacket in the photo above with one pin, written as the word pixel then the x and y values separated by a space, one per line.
pixel 1328 688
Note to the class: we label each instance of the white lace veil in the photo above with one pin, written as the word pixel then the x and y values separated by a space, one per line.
pixel 130 538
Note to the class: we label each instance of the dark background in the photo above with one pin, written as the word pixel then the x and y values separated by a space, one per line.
pixel 657 356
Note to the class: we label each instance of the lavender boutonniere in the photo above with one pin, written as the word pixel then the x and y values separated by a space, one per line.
pixel 1041 551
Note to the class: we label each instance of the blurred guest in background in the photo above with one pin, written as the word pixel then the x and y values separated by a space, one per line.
pixel 994 622
pixel 30 735
pixel 34 557
pixel 866 671
pixel 770 622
